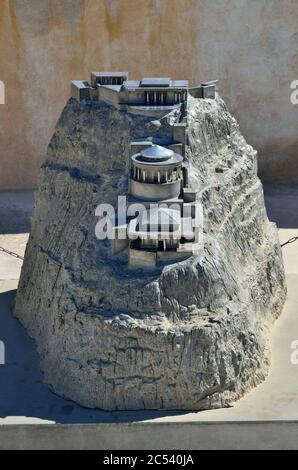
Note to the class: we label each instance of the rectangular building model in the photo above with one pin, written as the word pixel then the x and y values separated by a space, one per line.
pixel 115 88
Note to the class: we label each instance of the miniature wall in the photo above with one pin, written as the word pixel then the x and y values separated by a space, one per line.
pixel 250 45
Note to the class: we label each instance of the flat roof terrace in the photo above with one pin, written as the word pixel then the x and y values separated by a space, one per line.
pixel 156 82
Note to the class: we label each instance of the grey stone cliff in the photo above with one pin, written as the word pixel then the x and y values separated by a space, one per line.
pixel 190 335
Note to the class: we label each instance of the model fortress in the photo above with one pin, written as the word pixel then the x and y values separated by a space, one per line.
pixel 190 333
pixel 168 227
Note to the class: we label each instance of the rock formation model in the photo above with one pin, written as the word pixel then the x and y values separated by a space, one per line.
pixel 189 332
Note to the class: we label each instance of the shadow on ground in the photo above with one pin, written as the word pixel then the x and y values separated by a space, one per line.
pixel 22 392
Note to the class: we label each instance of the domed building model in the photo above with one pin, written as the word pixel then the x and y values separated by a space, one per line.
pixel 156 174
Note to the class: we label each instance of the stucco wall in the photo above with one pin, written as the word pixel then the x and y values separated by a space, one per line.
pixel 250 45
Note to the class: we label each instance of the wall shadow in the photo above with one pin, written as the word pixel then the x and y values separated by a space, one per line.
pixel 15 211
pixel 281 199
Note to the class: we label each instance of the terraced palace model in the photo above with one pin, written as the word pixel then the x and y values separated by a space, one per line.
pixel 172 312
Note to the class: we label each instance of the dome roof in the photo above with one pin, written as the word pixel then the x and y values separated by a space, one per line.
pixel 156 153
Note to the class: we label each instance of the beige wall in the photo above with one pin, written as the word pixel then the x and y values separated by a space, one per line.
pixel 250 45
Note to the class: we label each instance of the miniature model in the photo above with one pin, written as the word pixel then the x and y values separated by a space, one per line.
pixel 190 332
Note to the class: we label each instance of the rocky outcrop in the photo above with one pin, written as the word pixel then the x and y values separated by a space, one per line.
pixel 190 335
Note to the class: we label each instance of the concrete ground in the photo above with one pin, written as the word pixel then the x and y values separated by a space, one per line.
pixel 25 399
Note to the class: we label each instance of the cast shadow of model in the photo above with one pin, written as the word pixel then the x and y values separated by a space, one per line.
pixel 281 199
pixel 22 391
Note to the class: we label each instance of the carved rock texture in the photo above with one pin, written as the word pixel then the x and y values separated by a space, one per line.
pixel 190 335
